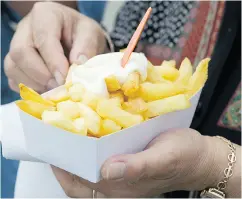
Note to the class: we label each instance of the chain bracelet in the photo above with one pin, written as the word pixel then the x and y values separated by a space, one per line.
pixel 228 172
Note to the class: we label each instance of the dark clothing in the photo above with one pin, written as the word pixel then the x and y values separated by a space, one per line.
pixel 219 111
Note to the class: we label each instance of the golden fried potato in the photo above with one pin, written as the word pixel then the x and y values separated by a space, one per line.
pixel 112 83
pixel 150 92
pixel 80 126
pixel 68 85
pixel 166 105
pixel 135 106
pixel 59 120
pixel 167 72
pixel 76 92
pixel 122 50
pixel 59 96
pixel 199 77
pixel 114 102
pixel 90 99
pixel 33 108
pixel 92 119
pixel 131 85
pixel 123 118
pixel 70 71
pixel 108 127
pixel 118 94
pixel 154 76
pixel 185 72
pixel 171 63
pixel 27 93
pixel 69 109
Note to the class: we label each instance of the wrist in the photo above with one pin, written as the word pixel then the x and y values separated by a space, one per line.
pixel 217 156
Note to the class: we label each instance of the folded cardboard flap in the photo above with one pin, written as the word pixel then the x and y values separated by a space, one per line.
pixel 84 156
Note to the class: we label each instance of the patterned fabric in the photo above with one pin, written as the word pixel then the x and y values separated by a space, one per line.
pixel 231 117
pixel 175 30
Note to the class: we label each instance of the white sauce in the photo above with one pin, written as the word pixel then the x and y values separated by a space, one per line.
pixel 92 74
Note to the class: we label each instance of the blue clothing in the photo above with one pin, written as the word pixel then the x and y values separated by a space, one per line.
pixel 93 9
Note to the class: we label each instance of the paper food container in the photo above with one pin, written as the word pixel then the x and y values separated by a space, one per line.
pixel 84 156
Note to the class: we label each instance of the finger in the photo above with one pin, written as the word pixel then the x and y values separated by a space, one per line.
pixel 27 58
pixel 15 73
pixel 88 41
pixel 31 64
pixel 46 36
pixel 158 161
pixel 71 184
pixel 13 85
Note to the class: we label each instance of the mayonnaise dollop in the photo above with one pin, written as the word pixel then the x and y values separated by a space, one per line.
pixel 92 74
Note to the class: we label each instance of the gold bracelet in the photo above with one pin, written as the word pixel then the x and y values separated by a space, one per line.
pixel 228 172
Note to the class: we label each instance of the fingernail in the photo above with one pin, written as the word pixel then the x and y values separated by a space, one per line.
pixel 59 78
pixel 82 59
pixel 52 84
pixel 115 171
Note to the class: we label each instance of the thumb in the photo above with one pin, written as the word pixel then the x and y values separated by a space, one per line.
pixel 133 167
pixel 89 40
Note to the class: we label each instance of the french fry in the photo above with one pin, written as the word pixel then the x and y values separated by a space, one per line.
pixel 108 127
pixel 33 108
pixel 122 50
pixel 112 83
pixel 168 72
pixel 80 126
pixel 199 77
pixel 59 96
pixel 166 105
pixel 171 63
pixel 68 85
pixel 115 102
pixel 150 92
pixel 135 106
pixel 123 118
pixel 131 85
pixel 69 109
pixel 154 76
pixel 71 69
pixel 118 94
pixel 185 72
pixel 76 92
pixel 59 120
pixel 27 93
pixel 90 99
pixel 92 119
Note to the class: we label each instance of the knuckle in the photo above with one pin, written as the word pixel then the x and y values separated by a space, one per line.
pixel 39 6
pixel 8 66
pixel 17 53
pixel 170 163
pixel 40 38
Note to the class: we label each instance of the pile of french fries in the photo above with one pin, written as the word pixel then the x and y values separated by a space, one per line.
pixel 79 111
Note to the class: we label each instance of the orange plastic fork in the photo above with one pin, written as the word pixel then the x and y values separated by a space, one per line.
pixel 135 38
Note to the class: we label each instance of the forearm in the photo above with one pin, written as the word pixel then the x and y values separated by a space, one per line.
pixel 23 7
pixel 219 162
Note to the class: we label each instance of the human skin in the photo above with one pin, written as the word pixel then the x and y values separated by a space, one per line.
pixel 181 159
pixel 46 42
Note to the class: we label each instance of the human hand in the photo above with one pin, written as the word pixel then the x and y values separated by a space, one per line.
pixel 180 159
pixel 37 51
